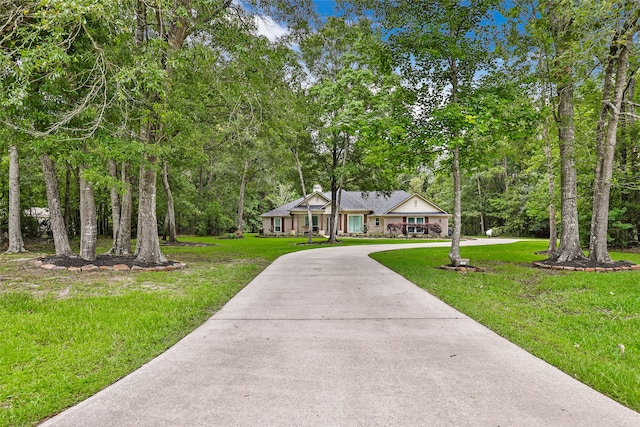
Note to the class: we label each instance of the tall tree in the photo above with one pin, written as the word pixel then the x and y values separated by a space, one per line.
pixel 56 78
pixel 167 26
pixel 440 46
pixel 58 227
pixel 88 220
pixel 561 23
pixel 122 243
pixel 171 212
pixel 16 243
pixel 614 86
pixel 354 95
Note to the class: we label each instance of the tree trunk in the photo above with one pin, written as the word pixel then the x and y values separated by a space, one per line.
pixel 569 249
pixel 335 215
pixel 454 252
pixel 630 121
pixel 115 200
pixel 148 246
pixel 338 199
pixel 58 226
pixel 551 184
pixel 171 213
pixel 210 175
pixel 139 225
pixel 606 149
pixel 122 243
pixel 16 243
pixel 333 232
pixel 304 194
pixel 338 202
pixel 505 165
pixel 88 221
pixel 243 185
pixel 482 230
pixel 67 196
pixel 628 150
pixel 570 238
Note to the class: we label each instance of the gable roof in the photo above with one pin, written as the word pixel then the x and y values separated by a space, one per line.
pixel 393 211
pixel 372 202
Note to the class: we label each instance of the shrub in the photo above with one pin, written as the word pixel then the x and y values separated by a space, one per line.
pixel 434 228
pixel 401 228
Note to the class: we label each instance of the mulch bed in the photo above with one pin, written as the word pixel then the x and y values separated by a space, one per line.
pixel 463 268
pixel 586 265
pixel 101 261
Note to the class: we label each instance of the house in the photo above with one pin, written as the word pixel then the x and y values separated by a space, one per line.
pixel 360 213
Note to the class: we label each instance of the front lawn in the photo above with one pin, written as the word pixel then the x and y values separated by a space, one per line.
pixel 587 324
pixel 65 335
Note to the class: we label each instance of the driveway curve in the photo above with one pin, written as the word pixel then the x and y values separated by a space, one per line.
pixel 329 337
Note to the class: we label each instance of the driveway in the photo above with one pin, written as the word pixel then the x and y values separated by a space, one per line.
pixel 329 337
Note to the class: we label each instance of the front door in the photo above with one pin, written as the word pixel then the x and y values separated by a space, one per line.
pixel 355 224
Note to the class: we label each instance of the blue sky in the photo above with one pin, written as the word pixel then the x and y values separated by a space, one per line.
pixel 325 7
pixel 272 29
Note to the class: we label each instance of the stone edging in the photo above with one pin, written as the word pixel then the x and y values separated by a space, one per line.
pixel 117 267
pixel 463 269
pixel 587 269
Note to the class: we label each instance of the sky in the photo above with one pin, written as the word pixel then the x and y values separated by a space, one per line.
pixel 273 30
pixel 325 7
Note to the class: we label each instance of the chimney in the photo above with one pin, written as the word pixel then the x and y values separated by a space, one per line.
pixel 317 188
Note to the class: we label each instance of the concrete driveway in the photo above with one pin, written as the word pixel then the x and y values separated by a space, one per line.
pixel 329 337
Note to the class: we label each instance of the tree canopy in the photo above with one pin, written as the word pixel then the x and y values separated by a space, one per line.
pixel 160 118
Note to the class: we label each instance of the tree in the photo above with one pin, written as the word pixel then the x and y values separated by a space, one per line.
pixel 607 128
pixel 440 46
pixel 122 243
pixel 88 220
pixel 354 96
pixel 171 213
pixel 16 243
pixel 56 85
pixel 58 228
pixel 168 26
pixel 562 33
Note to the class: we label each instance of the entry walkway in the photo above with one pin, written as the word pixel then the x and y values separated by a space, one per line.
pixel 329 337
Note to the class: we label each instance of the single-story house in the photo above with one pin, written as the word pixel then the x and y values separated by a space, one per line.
pixel 360 212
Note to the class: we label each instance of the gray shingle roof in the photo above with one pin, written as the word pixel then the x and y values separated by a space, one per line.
pixel 284 209
pixel 376 203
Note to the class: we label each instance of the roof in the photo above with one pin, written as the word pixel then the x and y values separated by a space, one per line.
pixel 373 202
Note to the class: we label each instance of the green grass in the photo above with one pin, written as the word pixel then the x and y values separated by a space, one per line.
pixel 573 320
pixel 64 335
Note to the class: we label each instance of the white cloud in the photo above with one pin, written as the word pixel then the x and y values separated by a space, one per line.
pixel 269 28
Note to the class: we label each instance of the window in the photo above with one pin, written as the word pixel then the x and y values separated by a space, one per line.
pixel 377 222
pixel 415 229
pixel 314 220
pixel 355 224
pixel 277 225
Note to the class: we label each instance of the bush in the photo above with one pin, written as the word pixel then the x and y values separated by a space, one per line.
pixel 401 228
pixel 434 228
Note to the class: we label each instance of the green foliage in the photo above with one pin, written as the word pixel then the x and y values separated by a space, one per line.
pixel 358 103
pixel 394 91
